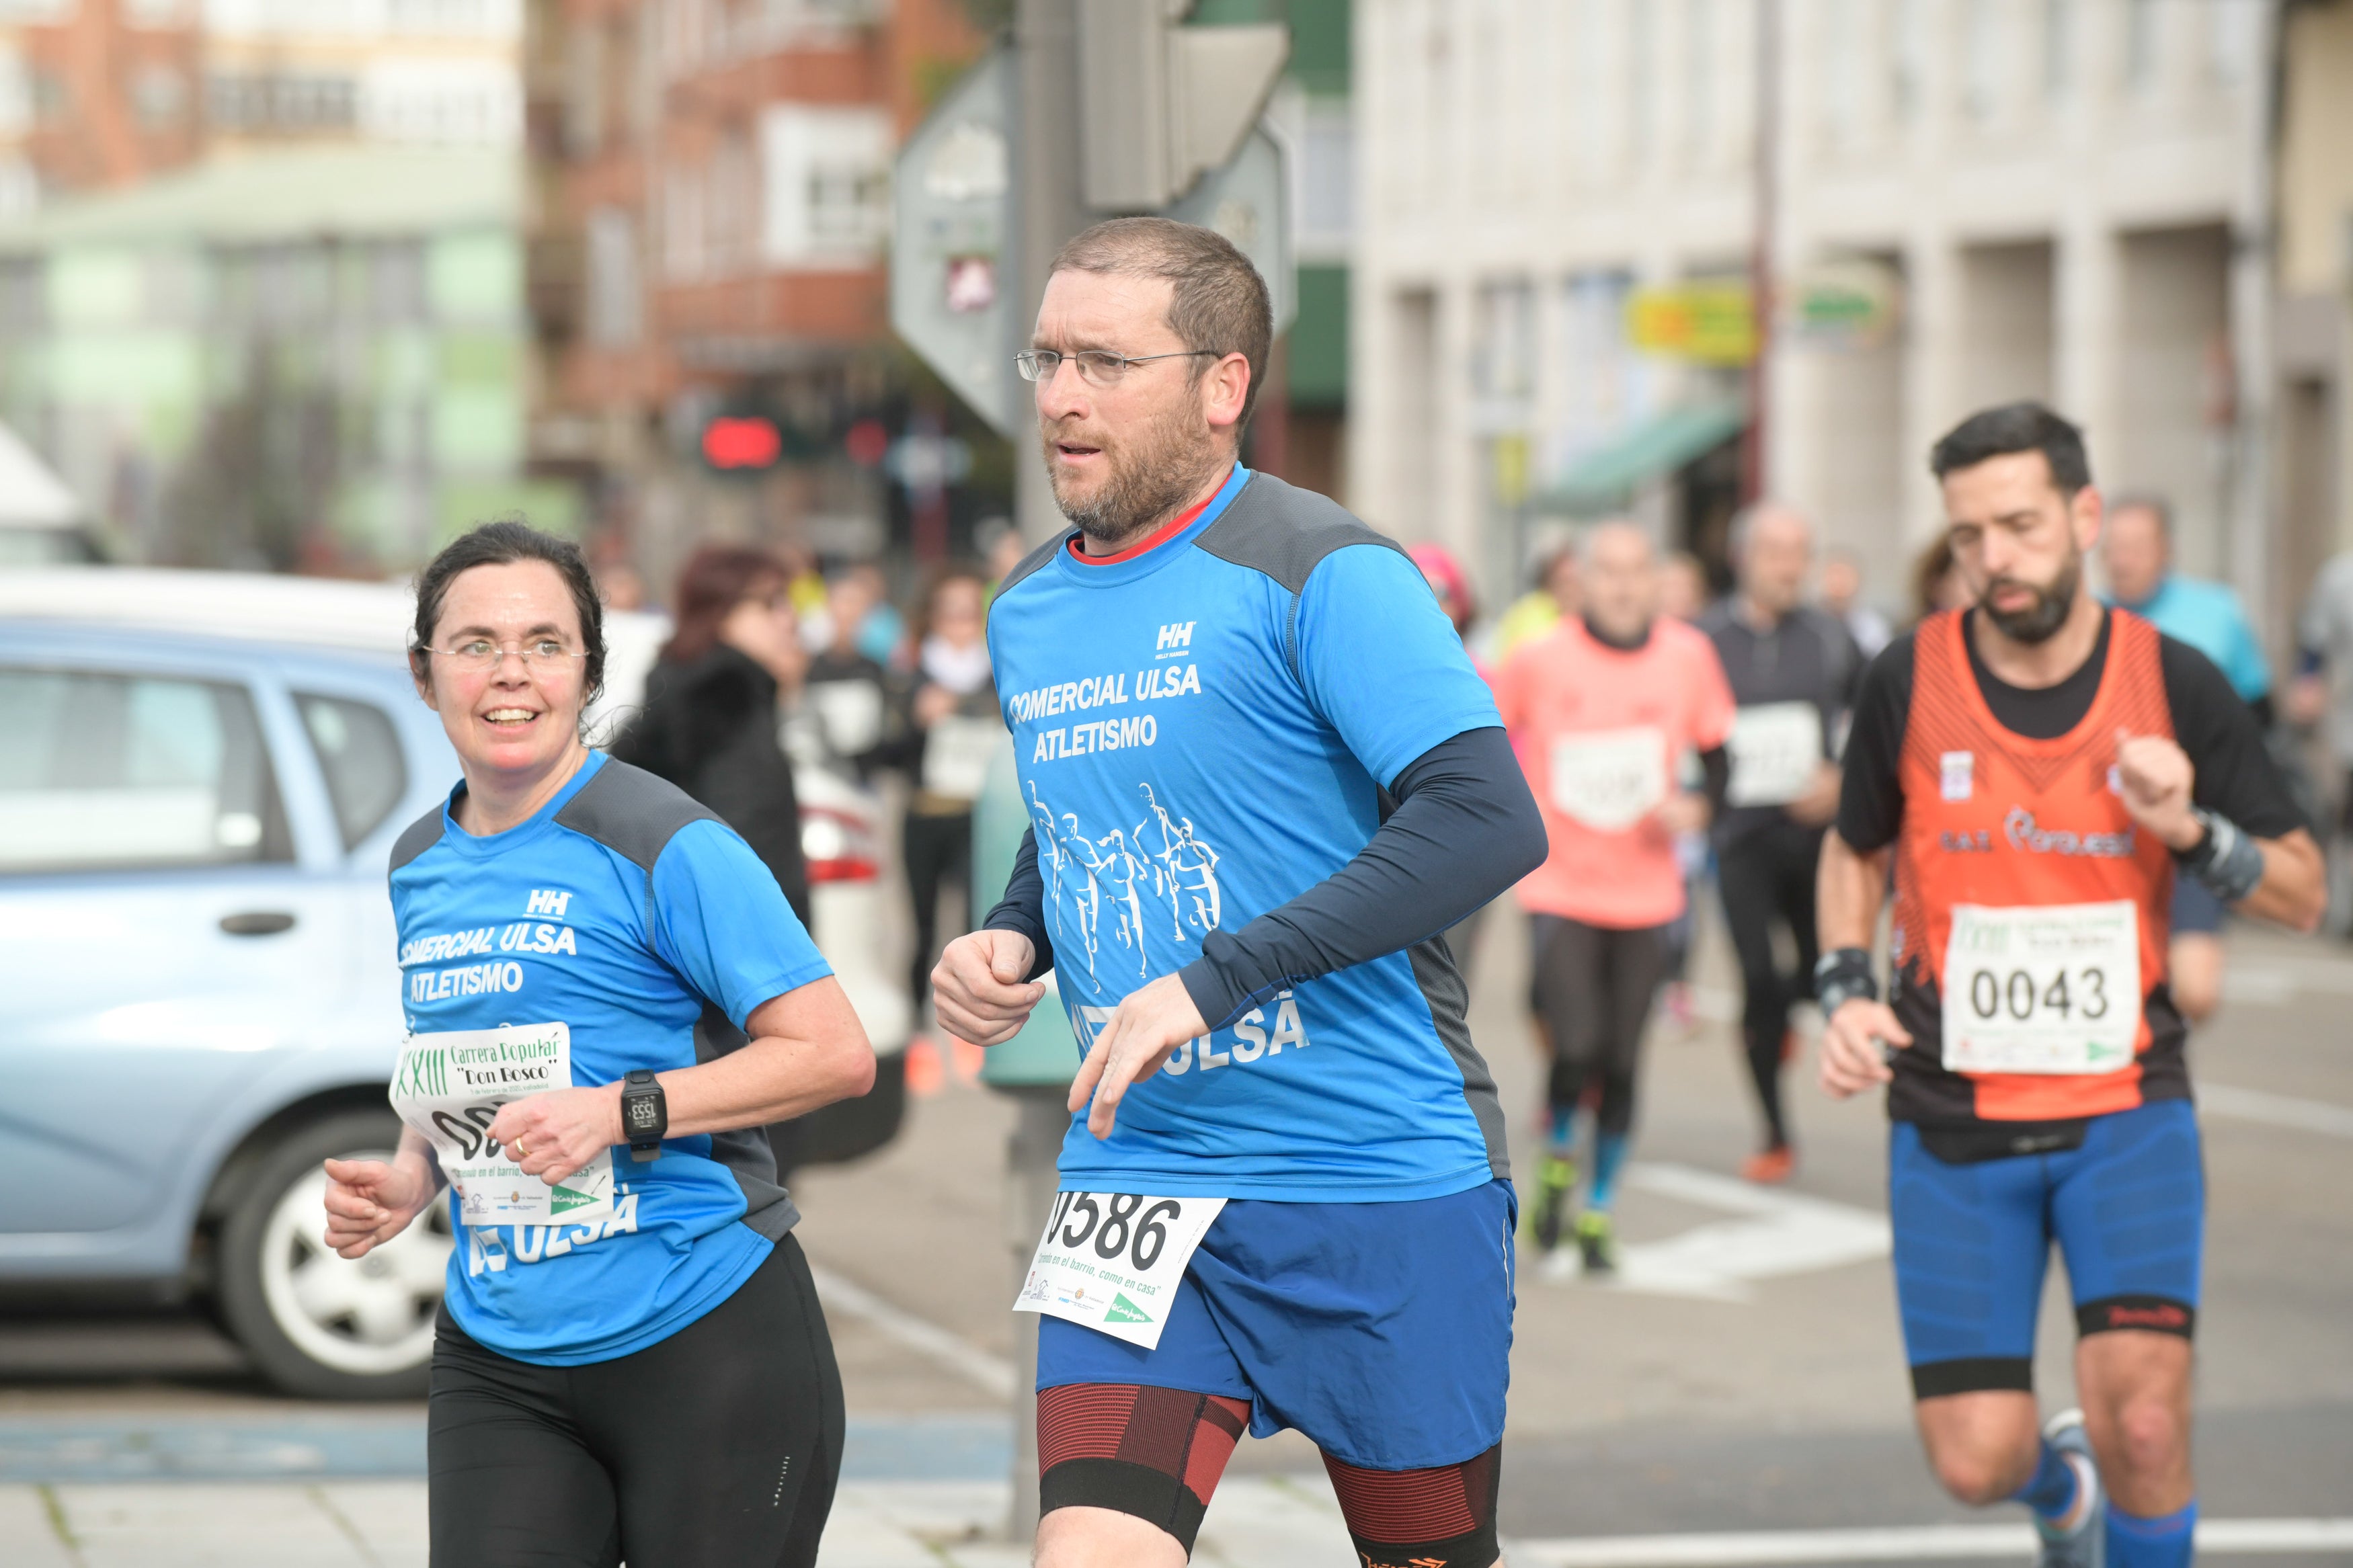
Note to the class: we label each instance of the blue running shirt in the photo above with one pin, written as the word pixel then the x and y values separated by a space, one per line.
pixel 618 909
pixel 1203 732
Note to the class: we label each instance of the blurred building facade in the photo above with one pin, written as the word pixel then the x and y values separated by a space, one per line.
pixel 2314 426
pixel 312 358
pixel 1991 199
pixel 104 93
pixel 710 216
pixel 1300 428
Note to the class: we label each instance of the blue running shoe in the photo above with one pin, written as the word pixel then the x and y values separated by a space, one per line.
pixel 2085 1545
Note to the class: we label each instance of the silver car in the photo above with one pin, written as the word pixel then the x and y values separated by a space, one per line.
pixel 201 777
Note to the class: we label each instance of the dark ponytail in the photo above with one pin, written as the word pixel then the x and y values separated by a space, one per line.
pixel 502 543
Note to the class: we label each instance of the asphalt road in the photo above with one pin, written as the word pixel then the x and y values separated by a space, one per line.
pixel 1744 1375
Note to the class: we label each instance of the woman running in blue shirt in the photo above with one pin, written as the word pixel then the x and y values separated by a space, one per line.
pixel 630 1361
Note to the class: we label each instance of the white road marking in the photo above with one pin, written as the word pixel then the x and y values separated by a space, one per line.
pixel 1923 1542
pixel 992 1373
pixel 2275 1109
pixel 2278 979
pixel 1778 1233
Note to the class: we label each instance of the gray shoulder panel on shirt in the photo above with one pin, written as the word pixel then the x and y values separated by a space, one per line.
pixel 417 837
pixel 1285 532
pixel 631 812
pixel 1034 560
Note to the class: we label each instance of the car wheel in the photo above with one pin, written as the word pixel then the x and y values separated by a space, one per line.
pixel 320 1325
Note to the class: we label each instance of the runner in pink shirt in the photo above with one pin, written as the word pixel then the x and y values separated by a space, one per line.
pixel 1603 711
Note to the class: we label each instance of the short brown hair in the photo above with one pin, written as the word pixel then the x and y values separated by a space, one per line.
pixel 1218 302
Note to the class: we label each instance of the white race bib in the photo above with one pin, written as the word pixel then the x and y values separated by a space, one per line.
pixel 1610 779
pixel 1114 1262
pixel 1775 747
pixel 2054 989
pixel 449 1088
pixel 850 713
pixel 956 755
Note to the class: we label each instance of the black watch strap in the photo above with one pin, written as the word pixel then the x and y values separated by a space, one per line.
pixel 645 1113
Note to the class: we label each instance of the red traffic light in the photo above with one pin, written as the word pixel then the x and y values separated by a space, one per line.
pixel 742 441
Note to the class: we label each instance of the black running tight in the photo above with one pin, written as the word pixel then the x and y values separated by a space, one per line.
pixel 716 1447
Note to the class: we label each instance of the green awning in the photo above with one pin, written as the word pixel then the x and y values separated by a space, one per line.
pixel 1658 445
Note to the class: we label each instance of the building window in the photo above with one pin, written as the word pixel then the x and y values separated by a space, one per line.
pixel 616 312
pixel 1641 79
pixel 2141 23
pixel 1327 178
pixel 824 179
pixel 2058 47
pixel 1699 76
pixel 1911 60
pixel 444 102
pixel 159 94
pixel 1984 61
pixel 1843 83
pixel 280 104
pixel 396 281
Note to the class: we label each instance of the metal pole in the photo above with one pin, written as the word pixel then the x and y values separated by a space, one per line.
pixel 1766 158
pixel 1029 1183
pixel 1047 176
pixel 1047 189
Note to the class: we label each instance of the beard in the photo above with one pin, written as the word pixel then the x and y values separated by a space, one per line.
pixel 1152 472
pixel 2041 619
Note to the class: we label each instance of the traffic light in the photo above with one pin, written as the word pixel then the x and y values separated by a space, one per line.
pixel 1160 104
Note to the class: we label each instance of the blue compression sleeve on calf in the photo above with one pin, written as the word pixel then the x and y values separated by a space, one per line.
pixel 1564 1128
pixel 2165 1543
pixel 1608 1157
pixel 2051 1491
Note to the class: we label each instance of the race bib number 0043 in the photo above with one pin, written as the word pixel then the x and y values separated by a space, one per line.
pixel 2054 989
pixel 450 1087
pixel 1114 1261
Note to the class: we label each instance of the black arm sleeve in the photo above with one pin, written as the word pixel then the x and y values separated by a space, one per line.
pixel 1870 796
pixel 2234 774
pixel 1715 771
pixel 1023 907
pixel 1465 829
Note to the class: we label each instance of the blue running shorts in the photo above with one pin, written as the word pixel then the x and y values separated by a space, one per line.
pixel 2127 1207
pixel 1382 1331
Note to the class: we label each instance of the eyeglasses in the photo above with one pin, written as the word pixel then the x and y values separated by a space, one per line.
pixel 1097 367
pixel 477 656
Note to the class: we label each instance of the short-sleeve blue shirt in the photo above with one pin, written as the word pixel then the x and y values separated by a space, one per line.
pixel 621 909
pixel 1203 732
pixel 2209 618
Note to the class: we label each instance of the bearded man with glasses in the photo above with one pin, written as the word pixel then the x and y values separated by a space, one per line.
pixel 1263 781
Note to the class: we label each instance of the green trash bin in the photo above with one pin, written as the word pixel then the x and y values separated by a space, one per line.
pixel 1044 1055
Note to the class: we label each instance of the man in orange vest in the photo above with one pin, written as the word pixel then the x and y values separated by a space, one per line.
pixel 2040 768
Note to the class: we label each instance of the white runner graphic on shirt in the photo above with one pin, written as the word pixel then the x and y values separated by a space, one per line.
pixel 1154 871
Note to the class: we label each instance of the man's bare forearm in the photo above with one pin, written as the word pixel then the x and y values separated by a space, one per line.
pixel 1848 890
pixel 2295 888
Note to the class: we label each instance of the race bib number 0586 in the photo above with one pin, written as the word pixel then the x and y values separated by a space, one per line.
pixel 449 1088
pixel 2054 989
pixel 1114 1261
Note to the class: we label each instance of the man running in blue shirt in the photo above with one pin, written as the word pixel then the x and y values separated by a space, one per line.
pixel 1263 778
pixel 2136 549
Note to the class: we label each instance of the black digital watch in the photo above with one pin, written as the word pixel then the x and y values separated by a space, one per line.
pixel 645 1113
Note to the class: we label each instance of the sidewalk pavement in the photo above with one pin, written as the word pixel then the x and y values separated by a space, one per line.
pixel 1256 1521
